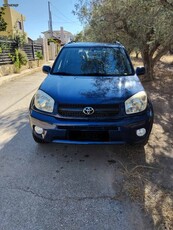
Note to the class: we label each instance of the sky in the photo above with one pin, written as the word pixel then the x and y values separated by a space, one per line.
pixel 36 13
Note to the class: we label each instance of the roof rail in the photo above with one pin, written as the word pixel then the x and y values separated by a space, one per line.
pixel 118 43
pixel 71 42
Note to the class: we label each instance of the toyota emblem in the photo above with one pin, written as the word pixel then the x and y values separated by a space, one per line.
pixel 88 110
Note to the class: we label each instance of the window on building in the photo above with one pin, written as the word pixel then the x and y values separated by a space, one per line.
pixel 19 25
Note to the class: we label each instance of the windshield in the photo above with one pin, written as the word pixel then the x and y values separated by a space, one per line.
pixel 93 61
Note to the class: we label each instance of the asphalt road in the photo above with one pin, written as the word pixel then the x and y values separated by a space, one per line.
pixel 53 186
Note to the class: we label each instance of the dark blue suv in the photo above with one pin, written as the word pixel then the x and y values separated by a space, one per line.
pixel 92 95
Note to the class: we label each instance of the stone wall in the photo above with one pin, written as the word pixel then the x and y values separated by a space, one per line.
pixel 6 70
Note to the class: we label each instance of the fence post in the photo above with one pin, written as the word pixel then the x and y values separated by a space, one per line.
pixel 33 51
pixel 45 49
pixel 42 49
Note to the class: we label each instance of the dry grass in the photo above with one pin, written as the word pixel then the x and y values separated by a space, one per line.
pixel 159 204
pixel 134 181
pixel 167 59
pixel 144 183
pixel 155 200
pixel 137 62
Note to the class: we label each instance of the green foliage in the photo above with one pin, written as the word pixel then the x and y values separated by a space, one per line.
pixel 19 58
pixel 56 41
pixel 79 37
pixel 3 24
pixel 39 55
pixel 144 25
pixel 4 45
pixel 51 40
pixel 20 39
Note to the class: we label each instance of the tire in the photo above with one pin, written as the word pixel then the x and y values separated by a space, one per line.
pixel 38 140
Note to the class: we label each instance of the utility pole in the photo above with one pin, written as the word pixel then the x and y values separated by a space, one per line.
pixel 50 20
pixel 6 4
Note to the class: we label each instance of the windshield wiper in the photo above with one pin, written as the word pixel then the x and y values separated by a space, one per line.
pixel 93 74
pixel 100 74
pixel 81 74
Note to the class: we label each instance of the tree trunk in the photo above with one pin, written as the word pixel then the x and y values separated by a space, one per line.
pixel 149 66
pixel 137 54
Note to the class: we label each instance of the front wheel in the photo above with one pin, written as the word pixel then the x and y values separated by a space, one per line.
pixel 38 140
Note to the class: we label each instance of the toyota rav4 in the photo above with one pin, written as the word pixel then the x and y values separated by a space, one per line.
pixel 92 95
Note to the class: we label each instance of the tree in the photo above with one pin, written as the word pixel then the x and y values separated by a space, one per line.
pixel 79 37
pixel 146 25
pixel 167 3
pixel 3 24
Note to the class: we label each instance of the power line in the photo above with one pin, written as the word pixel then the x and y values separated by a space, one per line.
pixel 61 20
pixel 64 22
pixel 61 12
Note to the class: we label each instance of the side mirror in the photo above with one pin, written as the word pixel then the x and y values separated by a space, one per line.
pixel 140 70
pixel 46 69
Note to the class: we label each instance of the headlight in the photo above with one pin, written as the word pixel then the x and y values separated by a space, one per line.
pixel 43 101
pixel 137 103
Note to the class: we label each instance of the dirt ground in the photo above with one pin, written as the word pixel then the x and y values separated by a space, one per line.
pixel 150 169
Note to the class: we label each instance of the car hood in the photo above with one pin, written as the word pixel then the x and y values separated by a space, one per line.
pixel 89 90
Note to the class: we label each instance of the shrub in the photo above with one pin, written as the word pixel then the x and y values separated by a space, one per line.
pixel 39 57
pixel 19 58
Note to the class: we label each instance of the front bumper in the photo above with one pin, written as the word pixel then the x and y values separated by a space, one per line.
pixel 120 131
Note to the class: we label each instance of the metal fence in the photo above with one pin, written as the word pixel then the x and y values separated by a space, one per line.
pixel 7 48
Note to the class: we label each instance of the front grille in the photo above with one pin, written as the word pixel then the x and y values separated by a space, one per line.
pixel 100 110
pixel 88 128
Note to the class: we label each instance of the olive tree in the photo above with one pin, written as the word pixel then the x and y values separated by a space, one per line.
pixel 146 25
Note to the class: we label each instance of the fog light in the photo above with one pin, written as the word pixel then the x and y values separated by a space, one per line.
pixel 38 130
pixel 140 132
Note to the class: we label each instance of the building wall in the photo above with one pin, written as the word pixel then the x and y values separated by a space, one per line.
pixel 11 16
pixel 64 36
